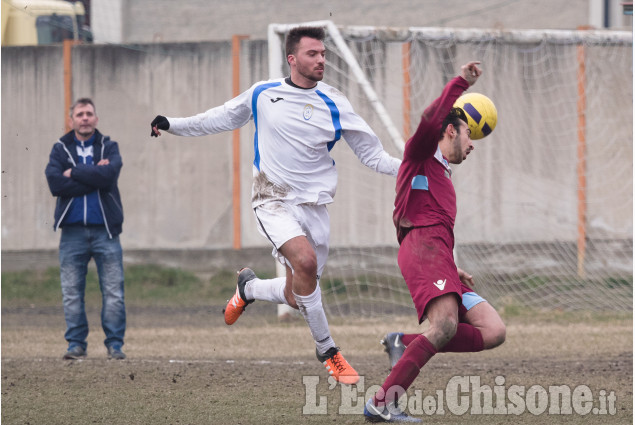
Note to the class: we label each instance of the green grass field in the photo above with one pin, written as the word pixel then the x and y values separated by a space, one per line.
pixel 144 285
pixel 185 366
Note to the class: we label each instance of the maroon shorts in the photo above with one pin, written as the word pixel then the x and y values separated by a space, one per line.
pixel 427 264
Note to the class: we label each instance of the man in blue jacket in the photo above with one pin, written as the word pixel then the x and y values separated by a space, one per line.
pixel 82 173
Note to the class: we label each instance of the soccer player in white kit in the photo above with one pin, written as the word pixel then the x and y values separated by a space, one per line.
pixel 298 120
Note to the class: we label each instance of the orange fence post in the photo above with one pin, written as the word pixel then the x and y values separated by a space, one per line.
pixel 68 79
pixel 236 142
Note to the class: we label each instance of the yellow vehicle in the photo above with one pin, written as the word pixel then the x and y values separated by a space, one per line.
pixel 36 22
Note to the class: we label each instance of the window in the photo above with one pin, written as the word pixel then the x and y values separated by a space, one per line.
pixel 54 28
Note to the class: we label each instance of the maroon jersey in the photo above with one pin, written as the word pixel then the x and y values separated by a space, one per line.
pixel 425 193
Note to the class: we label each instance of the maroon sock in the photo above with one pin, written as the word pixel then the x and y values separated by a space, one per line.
pixel 406 339
pixel 467 339
pixel 406 370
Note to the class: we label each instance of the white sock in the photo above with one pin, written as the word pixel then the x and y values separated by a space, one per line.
pixel 311 309
pixel 271 290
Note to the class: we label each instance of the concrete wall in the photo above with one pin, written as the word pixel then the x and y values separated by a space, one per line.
pixel 33 118
pixel 197 20
pixel 519 185
pixel 187 180
pixel 176 192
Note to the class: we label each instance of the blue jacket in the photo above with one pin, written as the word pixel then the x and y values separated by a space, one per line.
pixel 86 178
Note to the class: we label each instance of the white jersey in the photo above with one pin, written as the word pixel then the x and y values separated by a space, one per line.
pixel 295 130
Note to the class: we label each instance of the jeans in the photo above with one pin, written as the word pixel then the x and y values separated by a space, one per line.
pixel 78 244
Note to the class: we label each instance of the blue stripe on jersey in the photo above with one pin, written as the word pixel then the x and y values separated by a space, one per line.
pixel 335 116
pixel 254 111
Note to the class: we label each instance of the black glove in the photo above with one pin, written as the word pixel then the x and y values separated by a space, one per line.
pixel 159 122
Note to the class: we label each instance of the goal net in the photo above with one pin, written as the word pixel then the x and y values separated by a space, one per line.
pixel 544 203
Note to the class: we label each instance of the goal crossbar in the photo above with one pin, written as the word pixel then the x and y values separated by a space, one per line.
pixel 277 32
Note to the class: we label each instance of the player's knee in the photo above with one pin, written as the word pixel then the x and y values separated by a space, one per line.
pixel 306 264
pixel 445 331
pixel 495 336
pixel 448 327
pixel 501 334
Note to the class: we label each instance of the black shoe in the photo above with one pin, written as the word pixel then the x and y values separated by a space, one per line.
pixel 75 353
pixel 115 353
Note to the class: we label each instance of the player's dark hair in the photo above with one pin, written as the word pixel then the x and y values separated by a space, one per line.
pixel 455 117
pixel 82 101
pixel 296 34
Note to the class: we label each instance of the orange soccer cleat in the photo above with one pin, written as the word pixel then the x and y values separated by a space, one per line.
pixel 238 302
pixel 337 366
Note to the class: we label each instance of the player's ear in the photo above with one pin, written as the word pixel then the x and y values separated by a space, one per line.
pixel 450 130
pixel 290 59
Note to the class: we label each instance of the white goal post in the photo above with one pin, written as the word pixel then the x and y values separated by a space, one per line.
pixel 544 203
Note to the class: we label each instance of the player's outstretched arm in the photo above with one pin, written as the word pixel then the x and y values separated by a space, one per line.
pixel 231 115
pixel 159 123
pixel 470 72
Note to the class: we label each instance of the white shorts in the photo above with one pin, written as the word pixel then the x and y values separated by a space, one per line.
pixel 280 222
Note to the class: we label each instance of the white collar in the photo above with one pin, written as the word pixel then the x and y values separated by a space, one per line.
pixel 439 157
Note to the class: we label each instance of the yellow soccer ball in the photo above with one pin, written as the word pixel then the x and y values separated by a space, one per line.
pixel 481 113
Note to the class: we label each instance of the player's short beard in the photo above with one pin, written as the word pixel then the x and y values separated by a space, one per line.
pixel 309 75
pixel 456 144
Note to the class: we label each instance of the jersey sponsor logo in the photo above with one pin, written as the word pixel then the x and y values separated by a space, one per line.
pixel 308 112
pixel 440 284
pixel 277 99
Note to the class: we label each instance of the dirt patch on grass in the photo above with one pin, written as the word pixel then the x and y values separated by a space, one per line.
pixel 185 366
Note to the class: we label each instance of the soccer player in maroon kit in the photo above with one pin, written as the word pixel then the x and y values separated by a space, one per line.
pixel 425 210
